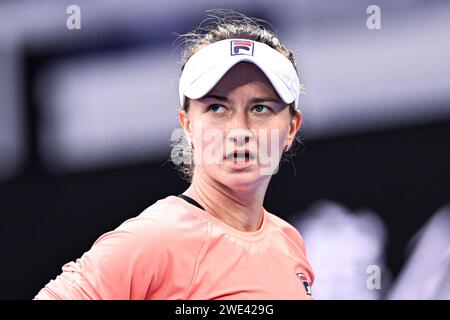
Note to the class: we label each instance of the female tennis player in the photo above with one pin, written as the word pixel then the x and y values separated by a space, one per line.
pixel 239 92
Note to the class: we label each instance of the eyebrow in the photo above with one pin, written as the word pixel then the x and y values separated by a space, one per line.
pixel 253 100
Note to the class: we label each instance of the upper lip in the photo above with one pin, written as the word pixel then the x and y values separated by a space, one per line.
pixel 232 154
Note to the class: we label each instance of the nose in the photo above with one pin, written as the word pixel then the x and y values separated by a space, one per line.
pixel 239 133
pixel 239 137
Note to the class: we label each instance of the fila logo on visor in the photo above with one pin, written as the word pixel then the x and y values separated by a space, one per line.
pixel 305 282
pixel 241 48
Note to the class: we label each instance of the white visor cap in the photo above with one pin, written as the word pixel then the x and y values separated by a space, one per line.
pixel 209 64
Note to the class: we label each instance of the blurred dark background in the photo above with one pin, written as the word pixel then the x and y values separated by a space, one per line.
pixel 86 118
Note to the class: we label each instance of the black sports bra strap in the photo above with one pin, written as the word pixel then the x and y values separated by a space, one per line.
pixel 190 200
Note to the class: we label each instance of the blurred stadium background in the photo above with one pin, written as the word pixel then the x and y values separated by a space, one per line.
pixel 86 117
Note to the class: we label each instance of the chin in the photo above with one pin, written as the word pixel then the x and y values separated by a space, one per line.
pixel 240 180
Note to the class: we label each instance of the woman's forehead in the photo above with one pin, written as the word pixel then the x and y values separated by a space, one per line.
pixel 245 71
pixel 247 78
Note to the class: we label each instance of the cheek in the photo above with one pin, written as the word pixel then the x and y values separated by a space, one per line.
pixel 208 145
pixel 284 133
pixel 283 137
pixel 273 138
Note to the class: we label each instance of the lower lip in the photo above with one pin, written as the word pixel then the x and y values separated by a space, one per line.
pixel 238 166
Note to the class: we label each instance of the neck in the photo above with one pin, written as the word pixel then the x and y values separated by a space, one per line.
pixel 240 209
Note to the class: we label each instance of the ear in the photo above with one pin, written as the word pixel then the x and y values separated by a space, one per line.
pixel 183 117
pixel 294 126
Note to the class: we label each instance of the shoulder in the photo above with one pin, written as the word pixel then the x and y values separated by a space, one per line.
pixel 287 229
pixel 295 243
pixel 164 223
pixel 136 259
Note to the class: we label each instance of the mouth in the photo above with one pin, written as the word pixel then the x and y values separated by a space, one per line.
pixel 243 156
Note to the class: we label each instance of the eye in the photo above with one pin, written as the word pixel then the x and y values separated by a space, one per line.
pixel 216 108
pixel 261 109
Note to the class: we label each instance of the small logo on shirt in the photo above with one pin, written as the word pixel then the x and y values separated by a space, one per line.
pixel 305 282
pixel 241 47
